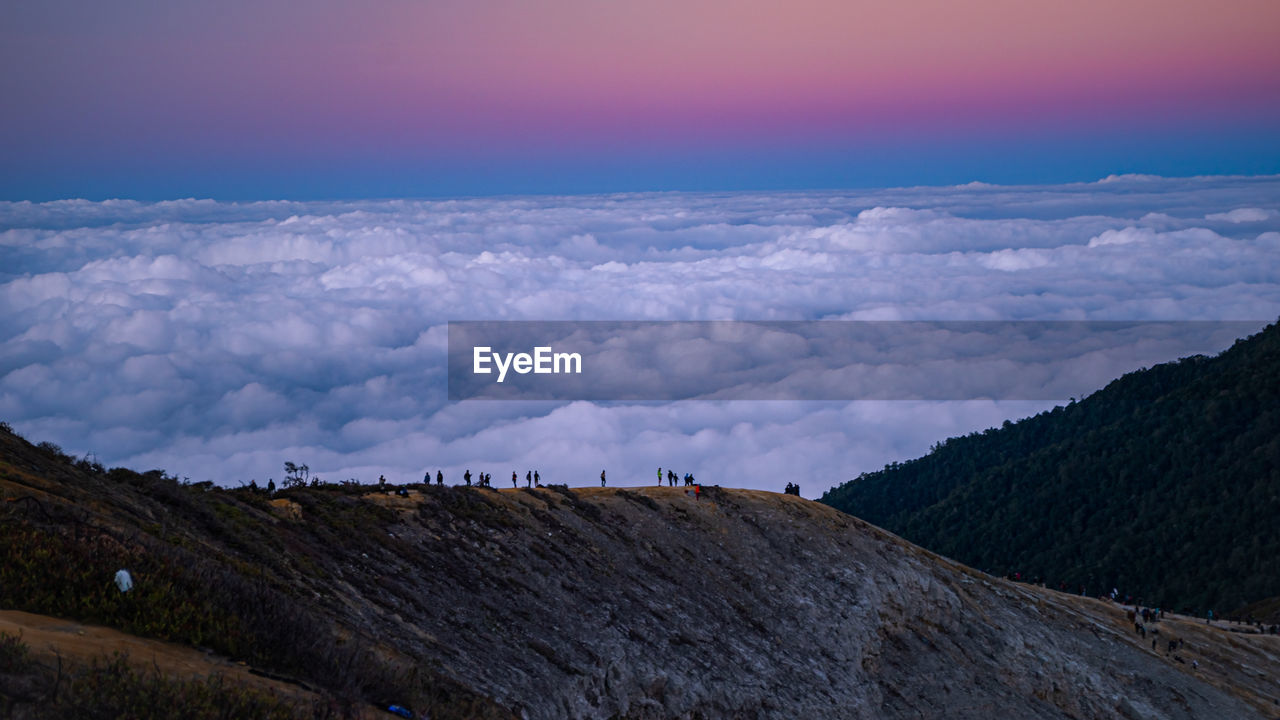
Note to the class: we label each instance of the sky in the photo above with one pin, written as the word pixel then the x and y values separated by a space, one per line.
pixel 218 340
pixel 232 234
pixel 329 99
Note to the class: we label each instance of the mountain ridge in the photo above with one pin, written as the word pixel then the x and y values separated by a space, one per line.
pixel 1165 484
pixel 626 603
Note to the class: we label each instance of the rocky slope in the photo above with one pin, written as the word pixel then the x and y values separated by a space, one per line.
pixel 649 603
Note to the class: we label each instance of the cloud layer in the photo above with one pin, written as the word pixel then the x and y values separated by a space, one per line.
pixel 219 340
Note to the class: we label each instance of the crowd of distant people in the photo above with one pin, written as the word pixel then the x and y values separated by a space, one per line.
pixel 673 480
pixel 533 479
pixel 485 480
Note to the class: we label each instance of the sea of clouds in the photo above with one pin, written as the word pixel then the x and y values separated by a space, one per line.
pixel 218 340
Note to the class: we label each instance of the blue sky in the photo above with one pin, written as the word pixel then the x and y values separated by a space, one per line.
pixel 273 100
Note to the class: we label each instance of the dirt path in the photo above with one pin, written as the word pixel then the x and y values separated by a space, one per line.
pixel 1246 665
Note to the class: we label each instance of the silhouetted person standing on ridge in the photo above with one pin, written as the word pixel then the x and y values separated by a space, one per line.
pixel 659 477
pixel 466 477
pixel 439 478
pixel 601 478
pixel 537 479
pixel 528 478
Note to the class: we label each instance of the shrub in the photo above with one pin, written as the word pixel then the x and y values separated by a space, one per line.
pixel 13 652
pixel 53 451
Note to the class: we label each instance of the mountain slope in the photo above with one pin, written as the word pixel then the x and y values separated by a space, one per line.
pixel 591 603
pixel 1164 484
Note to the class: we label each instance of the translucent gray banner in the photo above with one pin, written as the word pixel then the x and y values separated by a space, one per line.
pixel 820 360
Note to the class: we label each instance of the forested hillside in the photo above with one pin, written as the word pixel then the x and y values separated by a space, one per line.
pixel 1165 484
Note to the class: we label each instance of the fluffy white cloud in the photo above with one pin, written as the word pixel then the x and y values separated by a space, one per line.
pixel 218 340
pixel 1243 215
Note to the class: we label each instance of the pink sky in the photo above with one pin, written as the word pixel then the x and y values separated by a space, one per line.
pixel 530 77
